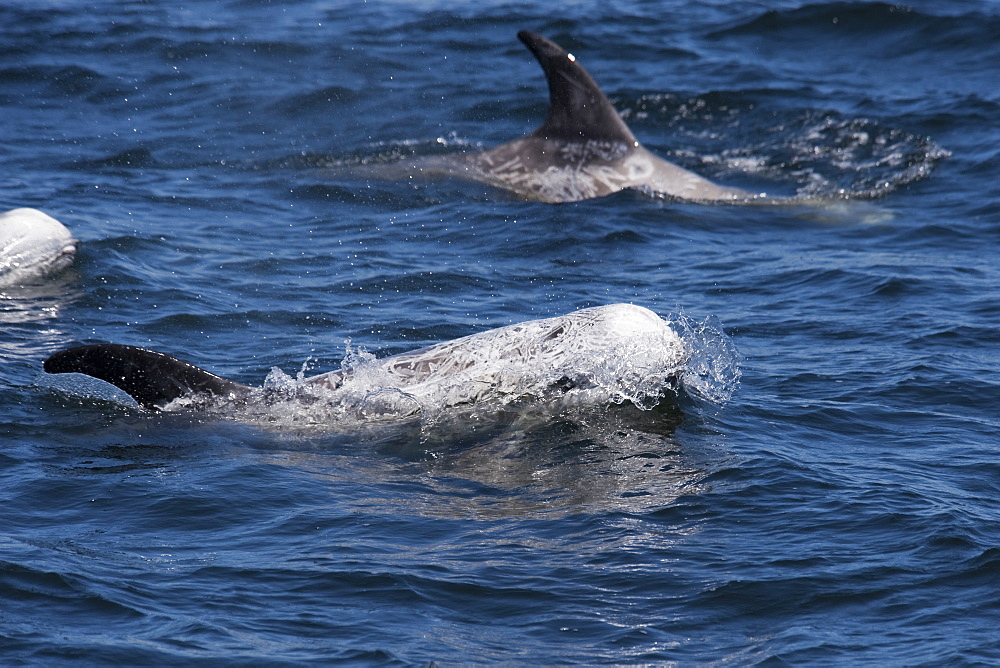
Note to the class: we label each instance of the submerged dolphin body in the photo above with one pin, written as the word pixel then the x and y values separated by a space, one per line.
pixel 582 150
pixel 32 245
pixel 617 352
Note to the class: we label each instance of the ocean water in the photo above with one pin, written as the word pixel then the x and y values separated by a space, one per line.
pixel 831 496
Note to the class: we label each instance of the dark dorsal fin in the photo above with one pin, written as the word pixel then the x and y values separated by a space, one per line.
pixel 151 378
pixel 578 109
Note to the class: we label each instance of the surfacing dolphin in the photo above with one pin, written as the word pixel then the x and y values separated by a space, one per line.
pixel 32 245
pixel 611 353
pixel 582 150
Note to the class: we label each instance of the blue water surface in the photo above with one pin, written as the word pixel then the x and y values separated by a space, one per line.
pixel 216 161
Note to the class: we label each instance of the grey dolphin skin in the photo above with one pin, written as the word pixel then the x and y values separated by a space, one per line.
pixel 583 149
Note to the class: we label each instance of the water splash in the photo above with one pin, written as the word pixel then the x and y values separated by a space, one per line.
pixel 712 372
pixel 821 154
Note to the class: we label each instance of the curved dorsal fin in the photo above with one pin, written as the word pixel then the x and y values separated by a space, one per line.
pixel 578 108
pixel 151 378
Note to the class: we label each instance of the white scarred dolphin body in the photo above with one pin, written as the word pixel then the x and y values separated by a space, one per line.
pixel 607 353
pixel 32 245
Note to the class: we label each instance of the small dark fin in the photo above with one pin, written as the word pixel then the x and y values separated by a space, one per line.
pixel 578 109
pixel 151 378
